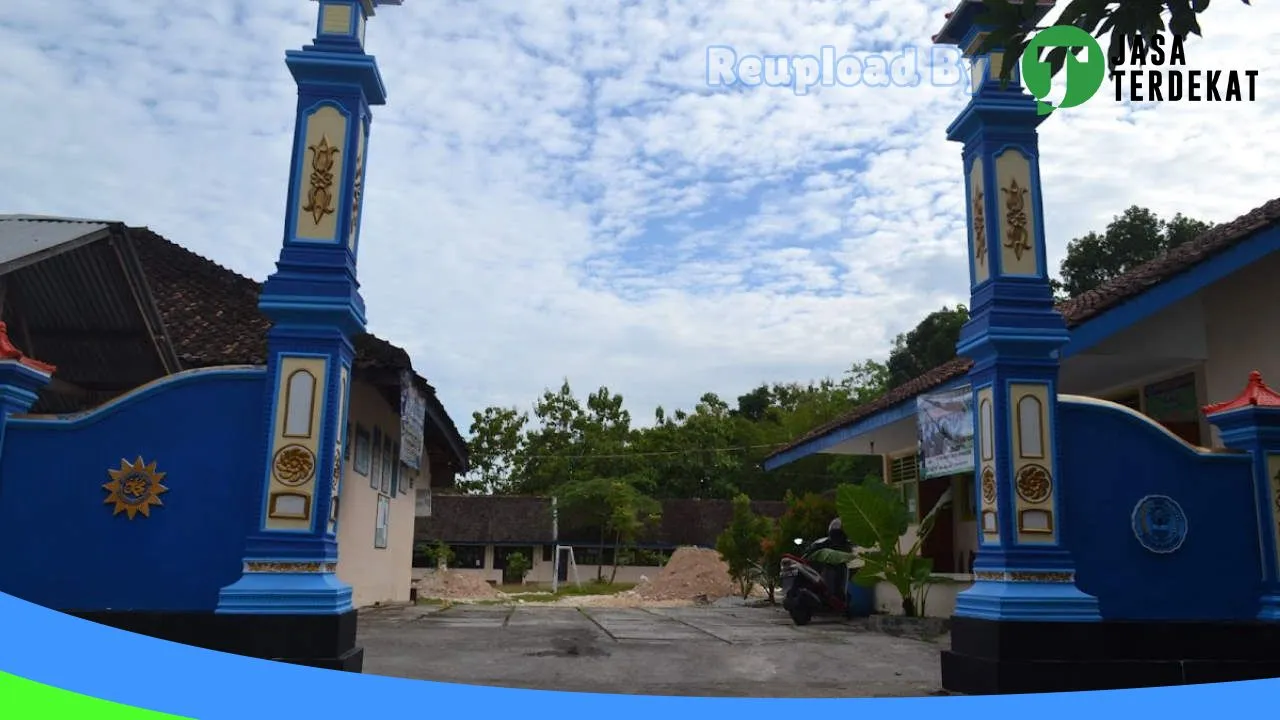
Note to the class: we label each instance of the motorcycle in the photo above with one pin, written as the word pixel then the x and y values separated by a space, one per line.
pixel 810 588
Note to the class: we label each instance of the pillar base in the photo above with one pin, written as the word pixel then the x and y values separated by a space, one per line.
pixel 1027 601
pixel 994 658
pixel 321 641
pixel 271 593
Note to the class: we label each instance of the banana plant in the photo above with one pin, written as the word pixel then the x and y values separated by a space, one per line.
pixel 875 517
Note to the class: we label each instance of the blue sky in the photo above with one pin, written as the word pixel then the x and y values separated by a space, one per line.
pixel 553 190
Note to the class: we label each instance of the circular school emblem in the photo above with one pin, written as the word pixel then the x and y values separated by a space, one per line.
pixel 1159 524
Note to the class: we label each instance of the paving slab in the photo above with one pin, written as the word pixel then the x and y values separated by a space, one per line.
pixel 717 651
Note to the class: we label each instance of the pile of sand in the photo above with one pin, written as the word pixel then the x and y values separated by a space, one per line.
pixel 692 574
pixel 445 585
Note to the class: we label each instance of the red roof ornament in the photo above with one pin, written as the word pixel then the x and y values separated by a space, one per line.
pixel 9 352
pixel 1256 394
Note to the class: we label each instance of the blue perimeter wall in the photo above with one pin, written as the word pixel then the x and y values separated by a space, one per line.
pixel 1113 459
pixel 60 545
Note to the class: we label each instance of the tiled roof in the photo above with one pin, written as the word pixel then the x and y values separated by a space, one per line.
pixel 211 316
pixel 484 519
pixel 1077 310
pixel 1216 240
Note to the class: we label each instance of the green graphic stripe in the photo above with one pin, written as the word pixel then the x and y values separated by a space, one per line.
pixel 22 699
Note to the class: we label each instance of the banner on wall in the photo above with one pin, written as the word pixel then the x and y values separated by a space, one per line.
pixel 413 418
pixel 945 423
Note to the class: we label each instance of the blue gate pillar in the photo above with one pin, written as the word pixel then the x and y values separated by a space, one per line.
pixel 314 303
pixel 1251 422
pixel 1023 570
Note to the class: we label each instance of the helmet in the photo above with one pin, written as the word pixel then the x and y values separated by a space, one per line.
pixel 835 525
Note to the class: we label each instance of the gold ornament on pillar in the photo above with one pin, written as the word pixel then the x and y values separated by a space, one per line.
pixel 1015 203
pixel 979 228
pixel 320 191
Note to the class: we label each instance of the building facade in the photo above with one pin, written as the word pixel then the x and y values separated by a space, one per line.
pixel 118 307
pixel 1165 339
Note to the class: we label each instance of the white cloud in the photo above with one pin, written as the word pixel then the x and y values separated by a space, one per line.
pixel 553 191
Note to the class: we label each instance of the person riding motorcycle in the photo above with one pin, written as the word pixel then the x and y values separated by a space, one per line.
pixel 836 576
pixel 835 539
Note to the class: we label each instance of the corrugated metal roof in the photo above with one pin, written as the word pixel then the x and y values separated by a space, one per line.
pixel 25 239
pixel 67 295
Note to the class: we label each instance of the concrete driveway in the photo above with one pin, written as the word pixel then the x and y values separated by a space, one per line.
pixel 707 651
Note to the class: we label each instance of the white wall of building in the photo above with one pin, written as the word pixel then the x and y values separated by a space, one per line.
pixel 1240 336
pixel 542 571
pixel 376 575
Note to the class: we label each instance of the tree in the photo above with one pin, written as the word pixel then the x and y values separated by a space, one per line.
pixel 806 518
pixel 518 566
pixel 772 547
pixel 1123 20
pixel 713 450
pixel 614 508
pixel 437 554
pixel 867 381
pixel 586 503
pixel 755 405
pixel 929 344
pixel 630 512
pixel 496 441
pixel 1130 239
pixel 739 544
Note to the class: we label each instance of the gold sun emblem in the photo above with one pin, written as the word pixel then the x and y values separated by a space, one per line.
pixel 134 488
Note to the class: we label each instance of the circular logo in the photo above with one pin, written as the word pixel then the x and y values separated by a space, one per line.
pixel 1159 524
pixel 1082 71
pixel 1033 483
pixel 135 488
pixel 293 465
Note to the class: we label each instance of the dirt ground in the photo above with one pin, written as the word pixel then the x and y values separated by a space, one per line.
pixel 722 650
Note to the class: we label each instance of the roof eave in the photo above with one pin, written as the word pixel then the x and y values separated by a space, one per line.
pixel 1252 245
pixel 901 410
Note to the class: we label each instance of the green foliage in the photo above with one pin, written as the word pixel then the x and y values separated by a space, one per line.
pixel 438 554
pixel 1122 20
pixel 615 506
pixel 649 558
pixel 929 344
pixel 1131 239
pixel 496 439
pixel 769 567
pixel 875 518
pixel 713 451
pixel 806 517
pixel 518 566
pixel 739 545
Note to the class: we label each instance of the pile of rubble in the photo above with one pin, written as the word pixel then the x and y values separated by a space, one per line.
pixel 445 585
pixel 691 575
